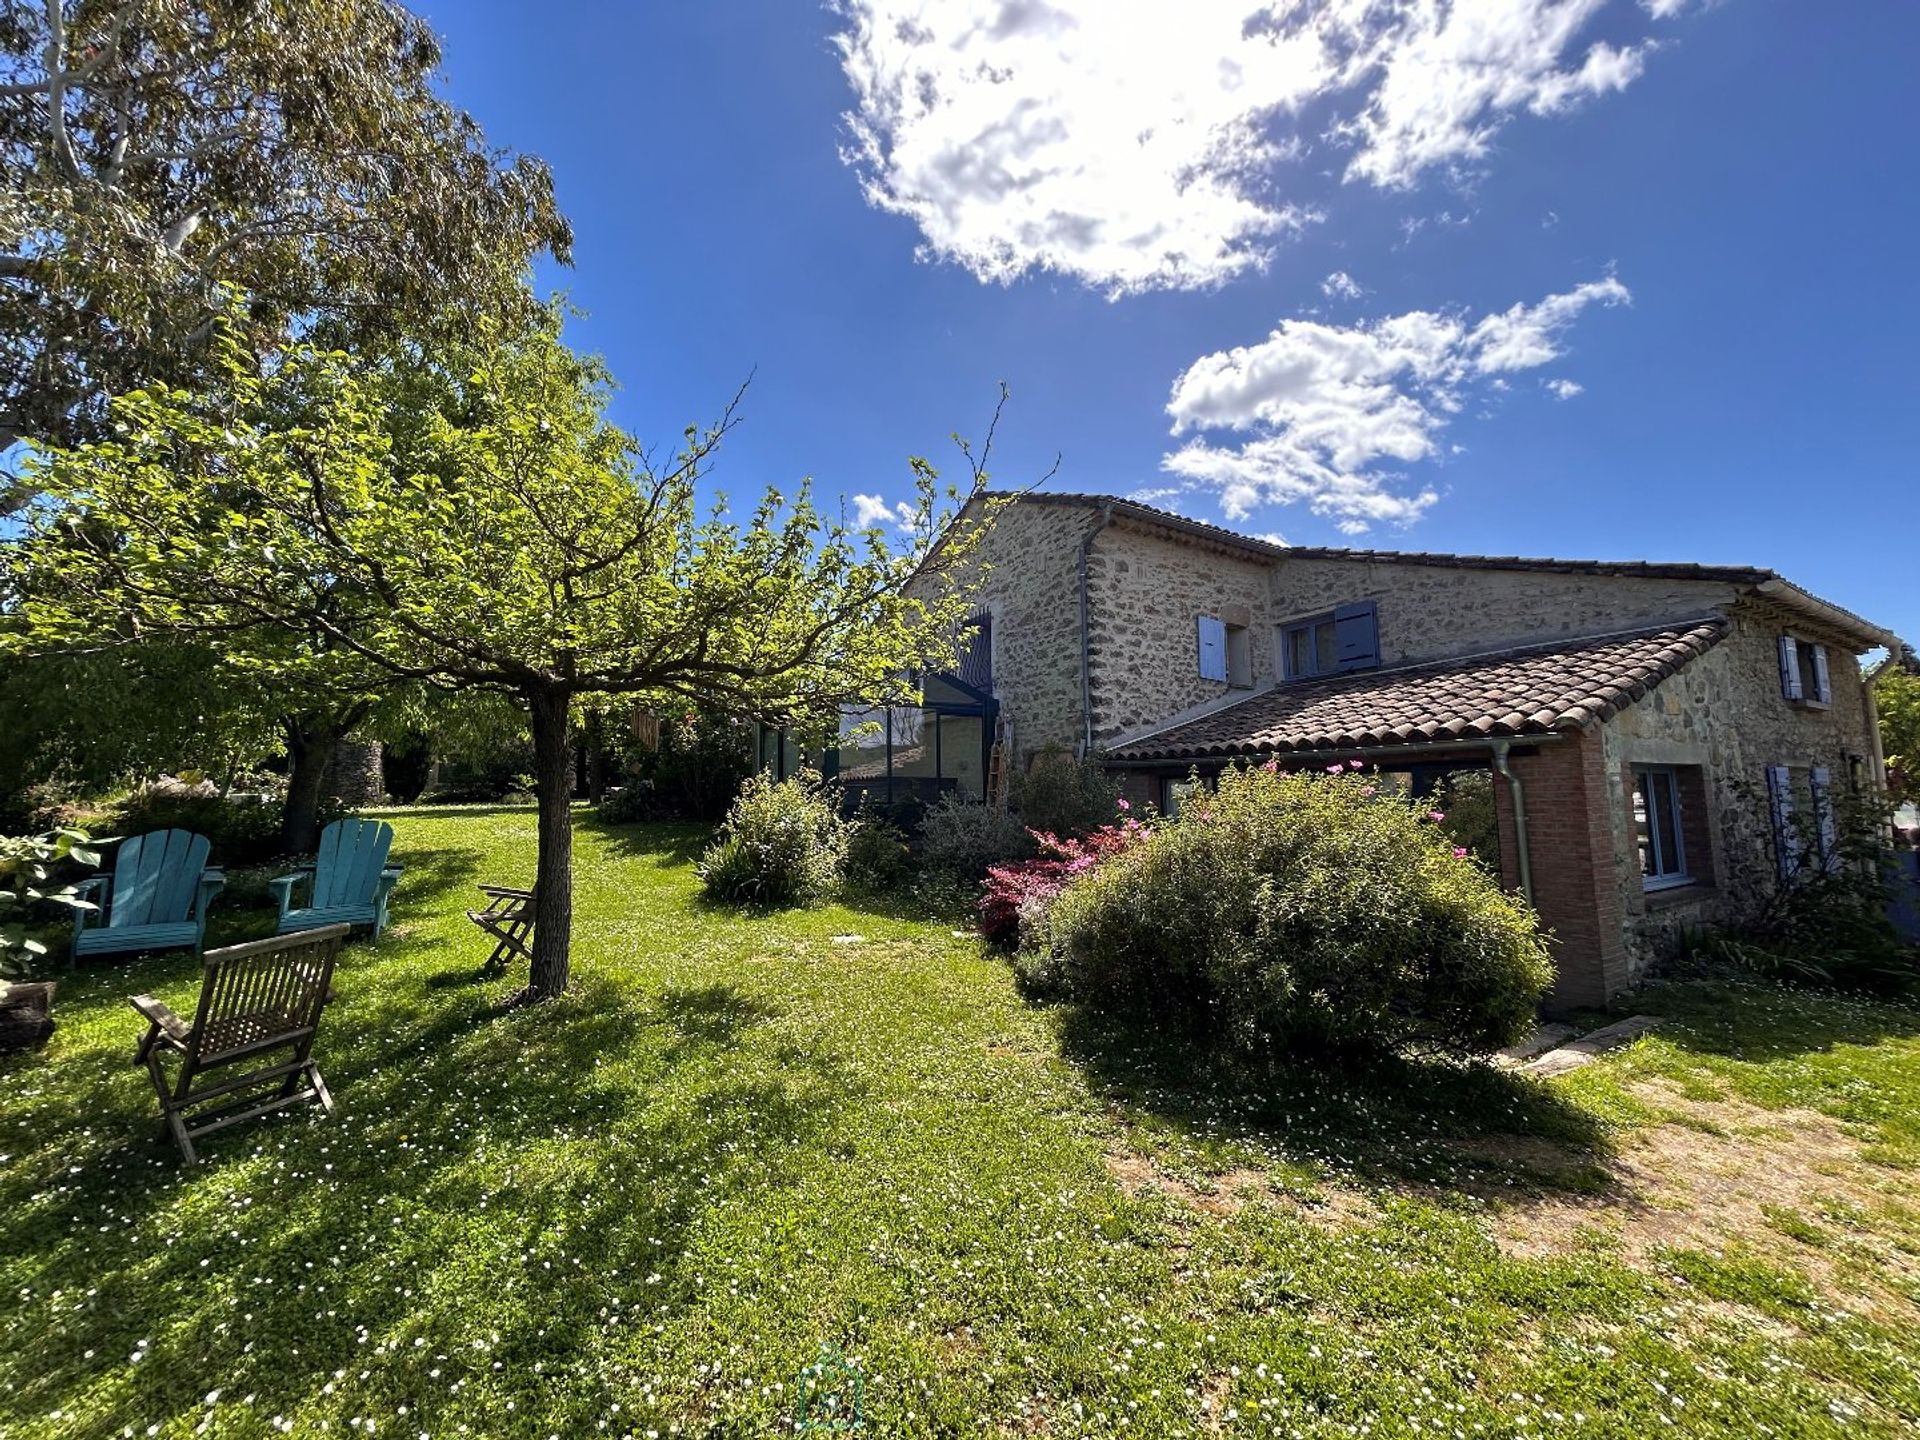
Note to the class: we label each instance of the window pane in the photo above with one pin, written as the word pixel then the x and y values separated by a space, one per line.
pixel 1642 835
pixel 1299 651
pixel 960 737
pixel 863 744
pixel 1325 652
pixel 1666 816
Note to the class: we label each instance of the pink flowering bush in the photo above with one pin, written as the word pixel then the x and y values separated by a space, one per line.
pixel 1301 912
pixel 1018 895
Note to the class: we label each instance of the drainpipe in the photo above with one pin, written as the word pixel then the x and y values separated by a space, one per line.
pixel 1519 796
pixel 1086 642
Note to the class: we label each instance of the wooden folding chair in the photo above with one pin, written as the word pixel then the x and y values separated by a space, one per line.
pixel 255 1000
pixel 508 918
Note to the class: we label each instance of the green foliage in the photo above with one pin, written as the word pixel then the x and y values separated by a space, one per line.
pixel 960 838
pixel 465 518
pixel 1290 912
pixel 782 844
pixel 694 771
pixel 306 157
pixel 1465 797
pixel 27 869
pixel 879 860
pixel 86 724
pixel 747 1135
pixel 1826 924
pixel 241 829
pixel 1896 696
pixel 1061 795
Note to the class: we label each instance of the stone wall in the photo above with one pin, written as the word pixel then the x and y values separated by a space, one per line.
pixel 1725 715
pixel 1430 611
pixel 1147 594
pixel 1030 556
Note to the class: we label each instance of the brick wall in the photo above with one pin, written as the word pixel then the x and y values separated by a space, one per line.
pixel 1570 842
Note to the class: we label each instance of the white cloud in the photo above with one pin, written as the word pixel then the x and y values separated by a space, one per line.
pixel 1317 408
pixel 1563 389
pixel 871 510
pixel 1138 147
pixel 1341 286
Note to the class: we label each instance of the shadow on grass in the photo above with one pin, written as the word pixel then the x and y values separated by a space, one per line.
pixel 512 1191
pixel 668 843
pixel 1757 1022
pixel 1432 1124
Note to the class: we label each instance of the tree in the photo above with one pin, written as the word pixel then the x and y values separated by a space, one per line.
pixel 1896 695
pixel 153 151
pixel 476 523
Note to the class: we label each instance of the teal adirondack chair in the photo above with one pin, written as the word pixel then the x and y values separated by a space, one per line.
pixel 350 880
pixel 156 898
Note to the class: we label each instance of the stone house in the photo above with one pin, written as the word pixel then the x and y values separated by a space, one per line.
pixel 1659 738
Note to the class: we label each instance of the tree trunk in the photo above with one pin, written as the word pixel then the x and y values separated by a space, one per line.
pixel 310 742
pixel 553 882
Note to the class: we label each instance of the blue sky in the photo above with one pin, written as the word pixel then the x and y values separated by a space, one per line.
pixel 1575 277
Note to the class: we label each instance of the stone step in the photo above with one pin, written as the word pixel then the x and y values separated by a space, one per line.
pixel 1576 1053
pixel 1545 1038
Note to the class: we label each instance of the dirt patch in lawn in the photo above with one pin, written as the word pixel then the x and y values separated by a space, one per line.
pixel 1232 1190
pixel 1708 1182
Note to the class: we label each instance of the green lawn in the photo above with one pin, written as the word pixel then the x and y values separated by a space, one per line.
pixel 743 1142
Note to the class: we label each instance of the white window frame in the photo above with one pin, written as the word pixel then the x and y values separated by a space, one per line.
pixel 1663 879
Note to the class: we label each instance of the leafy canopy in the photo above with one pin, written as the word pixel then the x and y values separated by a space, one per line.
pixel 296 149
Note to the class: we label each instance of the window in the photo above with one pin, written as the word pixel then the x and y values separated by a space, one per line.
pixel 1657 829
pixel 1347 638
pixel 1175 791
pixel 1239 656
pixel 1310 648
pixel 1225 651
pixel 1804 677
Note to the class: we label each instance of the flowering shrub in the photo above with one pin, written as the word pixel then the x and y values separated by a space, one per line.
pixel 1018 896
pixel 782 844
pixel 1302 911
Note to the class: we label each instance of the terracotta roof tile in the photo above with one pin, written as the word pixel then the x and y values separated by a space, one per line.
pixel 1535 690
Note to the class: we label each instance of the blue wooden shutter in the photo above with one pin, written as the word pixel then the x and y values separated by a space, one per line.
pixel 1786 840
pixel 1790 668
pixel 1822 789
pixel 1356 636
pixel 1822 683
pixel 1212 637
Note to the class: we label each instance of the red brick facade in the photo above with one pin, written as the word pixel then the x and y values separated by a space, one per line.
pixel 1570 843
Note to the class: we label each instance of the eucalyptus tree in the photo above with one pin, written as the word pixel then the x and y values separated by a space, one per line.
pixel 474 522
pixel 300 151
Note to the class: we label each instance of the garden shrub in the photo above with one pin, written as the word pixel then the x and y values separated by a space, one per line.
pixel 878 858
pixel 693 769
pixel 1824 926
pixel 961 838
pixel 1302 912
pixel 781 844
pixel 1060 795
pixel 242 829
pixel 1013 910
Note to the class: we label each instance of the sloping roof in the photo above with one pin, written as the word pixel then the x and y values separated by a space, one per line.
pixel 1535 690
pixel 1775 586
